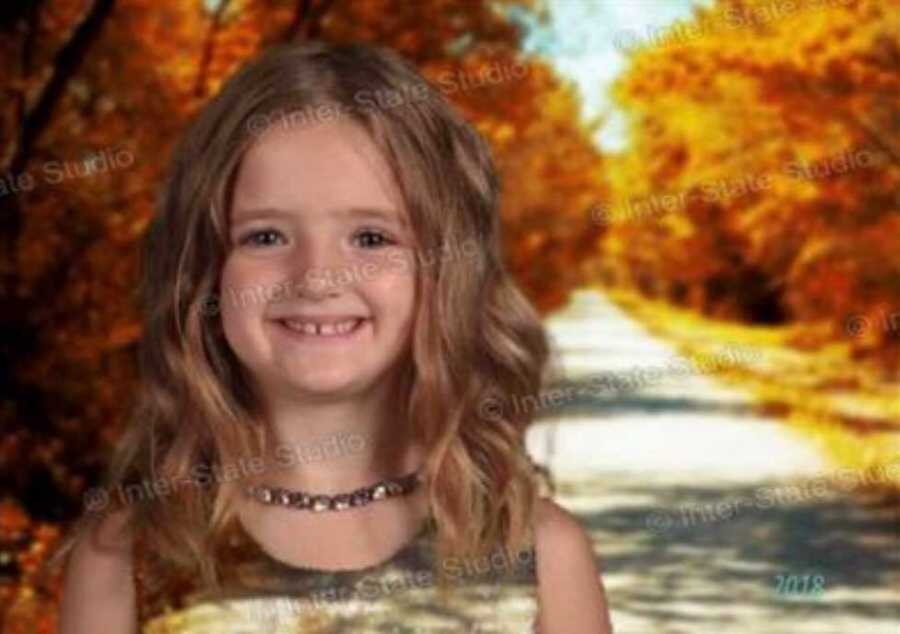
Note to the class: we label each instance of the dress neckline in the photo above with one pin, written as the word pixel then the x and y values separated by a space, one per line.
pixel 244 536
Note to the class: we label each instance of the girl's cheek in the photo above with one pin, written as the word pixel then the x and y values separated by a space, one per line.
pixel 398 263
pixel 364 270
pixel 249 288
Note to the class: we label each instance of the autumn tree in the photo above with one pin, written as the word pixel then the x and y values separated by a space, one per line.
pixel 776 127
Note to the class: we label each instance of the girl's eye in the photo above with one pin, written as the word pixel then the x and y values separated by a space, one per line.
pixel 367 238
pixel 260 238
pixel 370 238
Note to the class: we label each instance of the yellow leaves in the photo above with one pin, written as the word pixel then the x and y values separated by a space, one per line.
pixel 504 133
pixel 782 100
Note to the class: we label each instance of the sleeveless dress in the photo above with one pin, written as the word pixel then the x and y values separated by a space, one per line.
pixel 261 593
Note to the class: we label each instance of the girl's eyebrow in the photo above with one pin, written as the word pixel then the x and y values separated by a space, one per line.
pixel 388 215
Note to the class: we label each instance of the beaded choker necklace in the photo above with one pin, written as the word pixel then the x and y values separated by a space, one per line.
pixel 278 496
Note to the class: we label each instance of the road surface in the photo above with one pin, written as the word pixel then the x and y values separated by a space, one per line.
pixel 706 517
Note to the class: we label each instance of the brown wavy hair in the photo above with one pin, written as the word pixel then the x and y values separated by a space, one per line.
pixel 477 339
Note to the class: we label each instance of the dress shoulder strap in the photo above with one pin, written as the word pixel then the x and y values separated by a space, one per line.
pixel 157 588
pixel 146 577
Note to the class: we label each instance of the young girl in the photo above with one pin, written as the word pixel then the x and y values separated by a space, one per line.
pixel 322 440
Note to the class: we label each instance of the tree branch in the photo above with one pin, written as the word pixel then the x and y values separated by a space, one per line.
pixel 25 69
pixel 33 121
pixel 209 48
pixel 307 21
pixel 66 64
pixel 864 123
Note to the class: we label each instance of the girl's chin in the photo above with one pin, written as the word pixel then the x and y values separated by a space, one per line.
pixel 323 383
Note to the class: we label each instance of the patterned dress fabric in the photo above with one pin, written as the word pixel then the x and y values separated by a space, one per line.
pixel 262 594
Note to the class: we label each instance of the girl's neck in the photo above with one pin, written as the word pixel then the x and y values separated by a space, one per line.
pixel 336 446
pixel 341 463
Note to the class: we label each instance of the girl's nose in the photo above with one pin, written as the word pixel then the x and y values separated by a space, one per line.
pixel 320 268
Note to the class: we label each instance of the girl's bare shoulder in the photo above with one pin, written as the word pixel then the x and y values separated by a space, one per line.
pixel 570 589
pixel 98 590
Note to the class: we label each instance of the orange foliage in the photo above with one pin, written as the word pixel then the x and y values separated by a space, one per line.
pixel 778 130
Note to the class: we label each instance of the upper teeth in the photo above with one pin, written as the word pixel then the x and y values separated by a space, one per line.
pixel 337 328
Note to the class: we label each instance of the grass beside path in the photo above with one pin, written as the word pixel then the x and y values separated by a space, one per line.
pixel 852 416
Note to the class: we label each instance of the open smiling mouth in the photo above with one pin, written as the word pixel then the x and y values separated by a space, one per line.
pixel 331 332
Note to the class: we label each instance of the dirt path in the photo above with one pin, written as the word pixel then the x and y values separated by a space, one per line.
pixel 696 504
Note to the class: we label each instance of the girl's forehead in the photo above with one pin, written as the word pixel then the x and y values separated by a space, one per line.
pixel 318 143
pixel 332 164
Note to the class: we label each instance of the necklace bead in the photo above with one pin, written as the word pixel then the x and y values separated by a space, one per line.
pixel 319 503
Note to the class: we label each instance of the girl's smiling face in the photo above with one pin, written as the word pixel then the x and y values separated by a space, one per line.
pixel 318 234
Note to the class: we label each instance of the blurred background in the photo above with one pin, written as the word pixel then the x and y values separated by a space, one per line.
pixel 702 198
